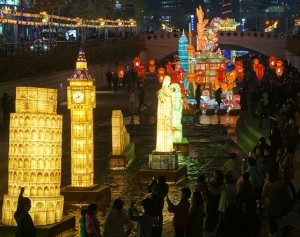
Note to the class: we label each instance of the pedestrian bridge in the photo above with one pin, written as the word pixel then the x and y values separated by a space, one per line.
pixel 160 46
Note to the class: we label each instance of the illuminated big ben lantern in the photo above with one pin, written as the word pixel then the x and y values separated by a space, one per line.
pixel 34 162
pixel 81 102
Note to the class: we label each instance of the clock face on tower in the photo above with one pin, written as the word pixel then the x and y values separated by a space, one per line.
pixel 78 97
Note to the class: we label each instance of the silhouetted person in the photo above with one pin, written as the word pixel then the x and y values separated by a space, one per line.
pixel 198 95
pixel 109 78
pixel 24 221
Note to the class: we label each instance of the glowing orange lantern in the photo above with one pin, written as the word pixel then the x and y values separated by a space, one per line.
pixel 221 74
pixel 255 63
pixel 191 77
pixel 200 76
pixel 136 62
pixel 279 68
pixel 161 72
pixel 120 71
pixel 272 62
pixel 190 49
pixel 152 65
pixel 260 70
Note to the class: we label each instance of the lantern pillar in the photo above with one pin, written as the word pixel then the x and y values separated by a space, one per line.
pixel 123 151
pixel 81 102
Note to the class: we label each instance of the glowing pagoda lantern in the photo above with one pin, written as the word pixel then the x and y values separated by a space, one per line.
pixel 260 70
pixel 272 62
pixel 279 68
pixel 169 68
pixel 161 72
pixel 221 74
pixel 121 71
pixel 200 76
pixel 255 64
pixel 136 62
pixel 152 66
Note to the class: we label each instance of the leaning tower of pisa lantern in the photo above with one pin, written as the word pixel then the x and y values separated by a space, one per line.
pixel 35 145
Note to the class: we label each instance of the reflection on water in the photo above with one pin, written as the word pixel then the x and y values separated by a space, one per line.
pixel 209 147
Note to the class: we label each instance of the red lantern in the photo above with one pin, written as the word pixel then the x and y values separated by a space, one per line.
pixel 136 62
pixel 221 74
pixel 260 70
pixel 255 63
pixel 161 72
pixel 272 62
pixel 120 71
pixel 279 68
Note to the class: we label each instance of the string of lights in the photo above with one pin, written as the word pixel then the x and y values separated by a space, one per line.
pixel 60 21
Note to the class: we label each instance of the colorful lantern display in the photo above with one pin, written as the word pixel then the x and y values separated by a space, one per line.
pixel 279 68
pixel 121 71
pixel 161 72
pixel 272 62
pixel 260 70
pixel 136 62
pixel 151 65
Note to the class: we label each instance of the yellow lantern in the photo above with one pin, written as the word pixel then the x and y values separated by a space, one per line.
pixel 161 72
pixel 152 65
pixel 279 68
pixel 120 71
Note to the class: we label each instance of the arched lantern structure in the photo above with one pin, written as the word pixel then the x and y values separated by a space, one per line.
pixel 121 71
pixel 272 62
pixel 255 64
pixel 161 72
pixel 136 62
pixel 260 70
pixel 151 65
pixel 221 74
pixel 279 68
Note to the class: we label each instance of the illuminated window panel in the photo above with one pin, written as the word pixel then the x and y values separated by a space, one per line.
pixel 34 162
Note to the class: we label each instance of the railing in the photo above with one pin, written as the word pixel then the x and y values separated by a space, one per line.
pixel 254 34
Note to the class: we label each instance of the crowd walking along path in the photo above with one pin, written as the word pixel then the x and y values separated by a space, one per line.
pixel 207 140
